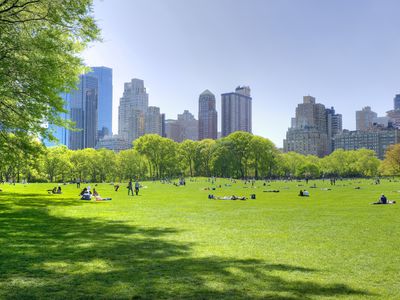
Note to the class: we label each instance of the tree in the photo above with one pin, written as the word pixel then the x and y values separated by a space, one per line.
pixel 107 164
pixel 57 162
pixel 367 163
pixel 187 150
pixel 391 163
pixel 40 42
pixel 161 154
pixel 240 147
pixel 130 164
pixel 203 157
pixel 263 154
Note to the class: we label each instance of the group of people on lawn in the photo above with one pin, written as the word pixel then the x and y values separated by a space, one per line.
pixel 86 193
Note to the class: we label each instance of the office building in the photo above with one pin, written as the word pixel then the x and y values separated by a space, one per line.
pixel 236 111
pixel 397 102
pixel 208 116
pixel 189 125
pixel 132 108
pixel 105 94
pixel 60 133
pixel 114 142
pixel 365 118
pixel 173 130
pixel 84 113
pixel 375 138
pixel 334 126
pixel 312 129
pixel 153 121
pixel 186 127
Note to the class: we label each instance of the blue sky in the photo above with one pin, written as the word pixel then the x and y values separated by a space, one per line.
pixel 346 53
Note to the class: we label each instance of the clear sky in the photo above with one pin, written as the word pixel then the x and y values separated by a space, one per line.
pixel 346 53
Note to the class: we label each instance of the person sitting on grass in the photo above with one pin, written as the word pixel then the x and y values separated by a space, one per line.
pixel 97 196
pixel 384 200
pixel 301 194
pixel 306 193
pixel 59 190
pixel 86 194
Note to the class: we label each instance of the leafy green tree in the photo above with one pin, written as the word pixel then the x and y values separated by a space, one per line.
pixel 241 151
pixel 263 154
pixel 57 162
pixel 130 165
pixel 204 154
pixel 391 163
pixel 222 159
pixel 291 164
pixel 106 164
pixel 161 154
pixel 367 164
pixel 18 156
pixel 187 150
pixel 40 42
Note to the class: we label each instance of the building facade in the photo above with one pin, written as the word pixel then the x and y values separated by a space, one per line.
pixel 132 108
pixel 186 127
pixel 208 116
pixel 376 138
pixel 153 121
pixel 236 111
pixel 114 142
pixel 396 101
pixel 105 94
pixel 365 118
pixel 312 129
pixel 84 113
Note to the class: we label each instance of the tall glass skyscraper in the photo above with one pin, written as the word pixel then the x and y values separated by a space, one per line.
pixel 60 133
pixel 84 111
pixel 105 92
pixel 397 101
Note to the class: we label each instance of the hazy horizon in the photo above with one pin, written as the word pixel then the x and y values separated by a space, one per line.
pixel 344 53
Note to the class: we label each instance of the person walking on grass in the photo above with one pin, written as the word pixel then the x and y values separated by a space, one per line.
pixel 130 187
pixel 137 186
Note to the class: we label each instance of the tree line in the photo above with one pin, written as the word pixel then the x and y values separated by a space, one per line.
pixel 239 155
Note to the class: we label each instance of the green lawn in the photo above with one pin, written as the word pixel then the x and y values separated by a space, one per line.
pixel 174 243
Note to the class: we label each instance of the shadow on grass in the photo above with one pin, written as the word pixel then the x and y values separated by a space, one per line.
pixel 45 256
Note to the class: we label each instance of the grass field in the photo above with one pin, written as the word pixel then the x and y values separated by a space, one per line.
pixel 174 243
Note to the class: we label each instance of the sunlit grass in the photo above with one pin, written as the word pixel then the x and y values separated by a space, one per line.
pixel 173 242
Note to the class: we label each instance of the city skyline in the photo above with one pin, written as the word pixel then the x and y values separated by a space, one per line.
pixel 345 53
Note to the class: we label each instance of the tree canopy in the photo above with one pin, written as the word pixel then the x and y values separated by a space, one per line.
pixel 40 42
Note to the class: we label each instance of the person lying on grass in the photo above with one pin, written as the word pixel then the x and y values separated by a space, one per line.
pixel 233 197
pixel 384 200
pixel 97 196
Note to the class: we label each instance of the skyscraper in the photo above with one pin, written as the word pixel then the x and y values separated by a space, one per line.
pixel 84 112
pixel 132 108
pixel 153 121
pixel 105 107
pixel 236 111
pixel 334 126
pixel 208 116
pixel 312 129
pixel 397 101
pixel 365 118
pixel 60 133
pixel 189 125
